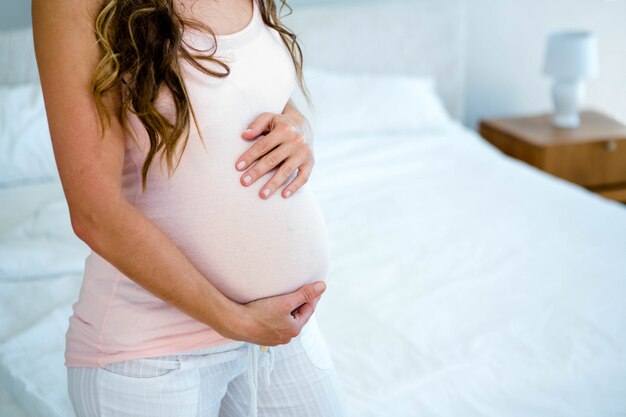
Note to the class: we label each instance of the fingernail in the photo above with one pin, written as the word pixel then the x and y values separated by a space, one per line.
pixel 319 286
pixel 287 193
pixel 247 179
pixel 241 164
pixel 266 192
pixel 247 130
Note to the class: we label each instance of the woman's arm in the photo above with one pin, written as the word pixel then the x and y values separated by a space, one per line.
pixel 90 169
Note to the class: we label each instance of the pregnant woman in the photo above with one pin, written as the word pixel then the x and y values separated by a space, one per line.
pixel 174 132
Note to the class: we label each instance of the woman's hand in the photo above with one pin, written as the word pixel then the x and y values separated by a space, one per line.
pixel 289 144
pixel 276 320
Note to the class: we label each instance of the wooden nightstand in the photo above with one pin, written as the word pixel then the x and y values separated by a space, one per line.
pixel 592 155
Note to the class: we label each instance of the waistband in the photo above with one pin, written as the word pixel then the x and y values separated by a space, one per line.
pixel 259 357
pixel 260 361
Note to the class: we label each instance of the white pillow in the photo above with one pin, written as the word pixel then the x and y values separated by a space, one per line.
pixel 353 103
pixel 26 154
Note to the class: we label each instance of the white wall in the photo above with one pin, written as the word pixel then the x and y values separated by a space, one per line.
pixel 506 40
pixel 505 49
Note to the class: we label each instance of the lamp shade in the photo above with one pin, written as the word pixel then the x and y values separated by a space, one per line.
pixel 571 54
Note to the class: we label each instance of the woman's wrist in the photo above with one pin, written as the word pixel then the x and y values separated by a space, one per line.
pixel 234 320
pixel 303 124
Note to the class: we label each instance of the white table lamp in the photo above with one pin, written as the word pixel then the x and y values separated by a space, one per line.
pixel 570 58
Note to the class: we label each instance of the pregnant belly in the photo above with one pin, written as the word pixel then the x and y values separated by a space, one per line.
pixel 248 247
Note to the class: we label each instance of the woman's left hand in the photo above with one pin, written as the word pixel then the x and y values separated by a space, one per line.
pixel 288 144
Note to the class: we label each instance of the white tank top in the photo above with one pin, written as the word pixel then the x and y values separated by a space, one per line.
pixel 248 247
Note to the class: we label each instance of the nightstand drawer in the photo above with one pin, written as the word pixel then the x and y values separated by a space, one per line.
pixel 588 164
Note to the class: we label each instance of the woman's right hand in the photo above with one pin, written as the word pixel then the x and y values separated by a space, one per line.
pixel 276 320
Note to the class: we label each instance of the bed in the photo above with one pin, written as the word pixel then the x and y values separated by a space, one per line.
pixel 462 282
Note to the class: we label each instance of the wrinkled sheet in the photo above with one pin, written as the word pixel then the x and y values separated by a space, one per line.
pixel 462 283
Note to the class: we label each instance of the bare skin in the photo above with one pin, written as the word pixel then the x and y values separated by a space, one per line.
pixel 224 17
pixel 91 170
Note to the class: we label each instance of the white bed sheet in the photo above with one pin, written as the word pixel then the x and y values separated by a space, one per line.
pixel 462 283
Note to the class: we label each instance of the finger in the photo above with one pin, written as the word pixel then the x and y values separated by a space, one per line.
pixel 305 294
pixel 304 312
pixel 279 132
pixel 281 176
pixel 262 123
pixel 263 146
pixel 304 172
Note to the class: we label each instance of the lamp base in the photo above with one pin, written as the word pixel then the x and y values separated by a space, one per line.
pixel 566 121
pixel 567 95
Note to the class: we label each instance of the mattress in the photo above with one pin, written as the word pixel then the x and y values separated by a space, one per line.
pixel 462 283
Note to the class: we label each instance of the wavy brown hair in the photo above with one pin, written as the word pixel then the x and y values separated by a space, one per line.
pixel 141 47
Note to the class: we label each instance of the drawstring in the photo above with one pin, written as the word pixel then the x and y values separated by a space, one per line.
pixel 258 353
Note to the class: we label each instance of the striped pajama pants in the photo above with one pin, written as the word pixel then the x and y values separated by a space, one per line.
pixel 236 379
